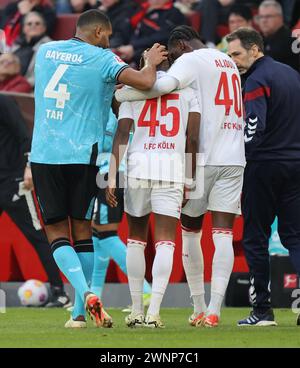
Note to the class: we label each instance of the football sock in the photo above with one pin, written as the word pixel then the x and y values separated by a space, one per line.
pixel 161 271
pixel 109 245
pixel 192 259
pixel 221 268
pixel 118 252
pixel 136 266
pixel 85 252
pixel 69 263
pixel 101 262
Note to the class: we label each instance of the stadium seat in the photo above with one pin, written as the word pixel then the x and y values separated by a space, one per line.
pixel 194 21
pixel 3 3
pixel 222 30
pixel 65 26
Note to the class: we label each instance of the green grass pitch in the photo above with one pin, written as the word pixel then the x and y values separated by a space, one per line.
pixel 34 327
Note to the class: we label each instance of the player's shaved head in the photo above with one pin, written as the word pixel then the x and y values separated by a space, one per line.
pixel 92 18
pixel 94 27
pixel 183 39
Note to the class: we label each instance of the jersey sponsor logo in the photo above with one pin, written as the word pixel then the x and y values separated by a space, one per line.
pixel 64 56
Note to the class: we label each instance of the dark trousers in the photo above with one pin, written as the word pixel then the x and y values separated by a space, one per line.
pixel 22 211
pixel 270 189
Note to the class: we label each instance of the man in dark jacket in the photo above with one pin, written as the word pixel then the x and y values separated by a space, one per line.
pixel 272 175
pixel 16 192
pixel 278 38
pixel 152 23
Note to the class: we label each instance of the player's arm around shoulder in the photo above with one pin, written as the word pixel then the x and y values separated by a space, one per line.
pixel 145 78
pixel 184 70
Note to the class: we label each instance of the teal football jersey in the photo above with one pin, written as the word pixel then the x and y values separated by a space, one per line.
pixel 73 93
pixel 103 159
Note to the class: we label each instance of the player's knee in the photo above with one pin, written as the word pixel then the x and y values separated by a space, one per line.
pixel 81 229
pixel 191 223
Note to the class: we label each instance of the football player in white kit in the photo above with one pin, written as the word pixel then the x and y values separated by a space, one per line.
pixel 165 128
pixel 215 78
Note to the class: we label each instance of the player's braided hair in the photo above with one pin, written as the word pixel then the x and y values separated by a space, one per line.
pixel 184 33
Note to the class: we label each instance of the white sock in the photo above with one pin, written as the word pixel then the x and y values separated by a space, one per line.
pixel 161 271
pixel 192 259
pixel 221 269
pixel 136 266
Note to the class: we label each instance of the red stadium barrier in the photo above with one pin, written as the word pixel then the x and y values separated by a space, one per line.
pixel 19 261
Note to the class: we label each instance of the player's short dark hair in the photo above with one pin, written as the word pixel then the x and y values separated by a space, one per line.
pixel 242 10
pixel 184 33
pixel 248 37
pixel 93 17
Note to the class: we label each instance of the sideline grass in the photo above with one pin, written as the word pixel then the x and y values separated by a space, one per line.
pixel 28 327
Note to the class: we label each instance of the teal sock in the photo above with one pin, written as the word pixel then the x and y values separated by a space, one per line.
pixel 147 288
pixel 101 262
pixel 117 250
pixel 85 252
pixel 69 263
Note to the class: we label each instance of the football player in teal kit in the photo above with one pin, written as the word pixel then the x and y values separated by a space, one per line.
pixel 75 82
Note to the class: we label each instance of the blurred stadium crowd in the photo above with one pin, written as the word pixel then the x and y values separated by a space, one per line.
pixel 137 24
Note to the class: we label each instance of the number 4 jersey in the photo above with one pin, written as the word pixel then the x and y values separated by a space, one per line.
pixel 216 79
pixel 73 92
pixel 157 149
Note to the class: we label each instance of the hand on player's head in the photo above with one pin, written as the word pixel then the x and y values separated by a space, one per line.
pixel 156 54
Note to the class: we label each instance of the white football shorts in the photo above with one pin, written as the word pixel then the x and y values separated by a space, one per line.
pixel 142 197
pixel 219 189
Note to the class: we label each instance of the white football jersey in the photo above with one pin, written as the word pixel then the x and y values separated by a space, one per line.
pixel 215 78
pixel 157 149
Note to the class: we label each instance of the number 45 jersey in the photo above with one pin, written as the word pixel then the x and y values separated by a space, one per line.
pixel 215 78
pixel 157 149
pixel 74 84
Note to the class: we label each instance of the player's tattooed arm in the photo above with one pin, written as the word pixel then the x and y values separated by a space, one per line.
pixel 162 86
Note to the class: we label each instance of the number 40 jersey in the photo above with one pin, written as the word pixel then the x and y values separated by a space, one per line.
pixel 74 84
pixel 216 79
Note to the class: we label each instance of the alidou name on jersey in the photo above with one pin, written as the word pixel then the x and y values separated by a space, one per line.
pixel 160 145
pixel 221 63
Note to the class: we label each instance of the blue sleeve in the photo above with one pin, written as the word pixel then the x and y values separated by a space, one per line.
pixel 113 65
pixel 110 132
pixel 256 95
